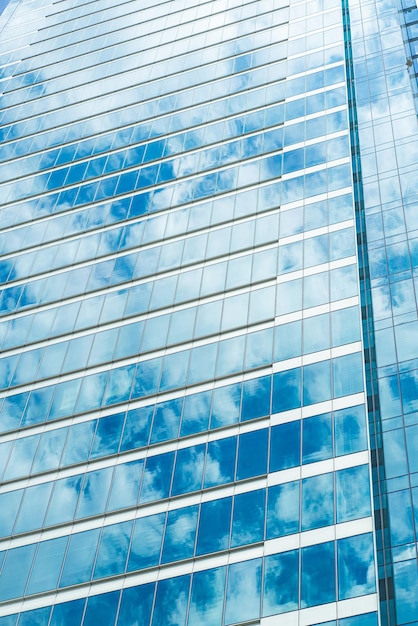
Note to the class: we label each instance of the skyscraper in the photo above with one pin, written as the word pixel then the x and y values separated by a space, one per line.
pixel 208 404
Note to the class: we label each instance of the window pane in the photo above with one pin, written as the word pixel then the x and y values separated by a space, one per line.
pixel 171 602
pixel 243 592
pixel 113 550
pixel 102 609
pixel 281 583
pixel 180 534
pixel 135 607
pixel 317 501
pixel 207 599
pixel 248 518
pixel 146 542
pixel 214 526
pixel 356 571
pixel 283 510
pixel 318 575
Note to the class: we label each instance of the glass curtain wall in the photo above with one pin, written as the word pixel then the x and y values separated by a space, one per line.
pixel 184 434
pixel 382 35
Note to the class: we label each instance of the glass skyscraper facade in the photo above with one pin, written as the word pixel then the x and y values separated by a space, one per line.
pixel 209 329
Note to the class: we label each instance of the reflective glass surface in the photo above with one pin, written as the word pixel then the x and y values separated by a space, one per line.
pixel 183 434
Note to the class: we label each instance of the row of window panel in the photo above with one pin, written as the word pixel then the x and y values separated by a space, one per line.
pixel 33 69
pixel 129 236
pixel 308 41
pixel 230 57
pixel 68 20
pixel 182 417
pixel 213 243
pixel 294 339
pixel 174 169
pixel 186 367
pixel 160 148
pixel 191 15
pixel 158 126
pixel 217 183
pixel 114 38
pixel 192 24
pixel 204 66
pixel 186 533
pixel 253 78
pixel 170 474
pixel 242 95
pixel 22 30
pixel 324 248
pixel 232 594
pixel 86 8
pixel 291 296
pixel 167 225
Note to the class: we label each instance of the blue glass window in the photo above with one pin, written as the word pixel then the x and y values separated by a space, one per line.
pixel 285 446
pixel 137 428
pixel 286 390
pixel 318 575
pixel 283 509
pixel 248 518
pixel 37 617
pixel 106 439
pixel 171 602
pixel 252 454
pixel 347 374
pixel 157 477
pixel 207 597
pixel 316 382
pixel 33 508
pixel 243 591
pixel 102 609
pixel 220 462
pixel 15 572
pixel 125 485
pixel 80 558
pixel 317 501
pixel 135 606
pixel 350 430
pixel 189 469
pixel 166 420
pixel 281 583
pixel 214 526
pixel 353 493
pixel 64 500
pixel 146 542
pixel 113 550
pixel 317 438
pixel 256 398
pixel 226 405
pixel 196 413
pixel 356 573
pixel 68 613
pixel 180 534
pixel 47 565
